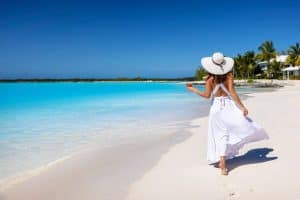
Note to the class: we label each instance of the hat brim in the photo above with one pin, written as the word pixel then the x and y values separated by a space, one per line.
pixel 213 68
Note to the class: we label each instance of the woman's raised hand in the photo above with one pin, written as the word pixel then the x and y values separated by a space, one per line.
pixel 190 87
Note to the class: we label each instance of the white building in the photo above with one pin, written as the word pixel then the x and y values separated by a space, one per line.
pixel 287 71
pixel 290 71
pixel 280 58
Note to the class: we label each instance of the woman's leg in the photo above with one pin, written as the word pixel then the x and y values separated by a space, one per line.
pixel 222 165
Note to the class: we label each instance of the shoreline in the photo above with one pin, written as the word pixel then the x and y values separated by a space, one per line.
pixel 23 177
pixel 81 156
pixel 103 159
pixel 26 174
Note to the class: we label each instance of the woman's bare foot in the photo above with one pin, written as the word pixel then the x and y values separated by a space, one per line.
pixel 222 166
pixel 224 171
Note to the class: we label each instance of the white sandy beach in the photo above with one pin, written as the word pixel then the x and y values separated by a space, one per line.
pixel 175 167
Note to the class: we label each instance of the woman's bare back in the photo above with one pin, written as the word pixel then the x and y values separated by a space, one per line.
pixel 220 91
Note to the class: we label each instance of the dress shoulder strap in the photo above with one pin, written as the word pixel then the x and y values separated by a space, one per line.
pixel 214 92
pixel 225 89
pixel 216 89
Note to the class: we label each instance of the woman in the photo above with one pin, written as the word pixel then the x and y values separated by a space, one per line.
pixel 229 127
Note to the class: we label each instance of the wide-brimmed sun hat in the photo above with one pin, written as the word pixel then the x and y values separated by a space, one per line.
pixel 217 64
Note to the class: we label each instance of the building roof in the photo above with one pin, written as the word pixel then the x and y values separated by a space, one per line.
pixel 290 68
pixel 280 58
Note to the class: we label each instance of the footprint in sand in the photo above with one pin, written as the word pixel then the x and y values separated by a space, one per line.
pixel 230 191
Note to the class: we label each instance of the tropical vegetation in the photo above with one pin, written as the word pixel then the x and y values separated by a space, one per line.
pixel 261 64
pixel 294 55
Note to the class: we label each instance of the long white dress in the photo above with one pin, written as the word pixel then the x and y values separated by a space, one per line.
pixel 228 128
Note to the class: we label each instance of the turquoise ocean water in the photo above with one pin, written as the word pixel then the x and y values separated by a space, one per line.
pixel 42 122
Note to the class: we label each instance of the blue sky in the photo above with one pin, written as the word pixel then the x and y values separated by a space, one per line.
pixel 108 39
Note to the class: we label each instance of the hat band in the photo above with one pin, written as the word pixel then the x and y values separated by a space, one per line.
pixel 219 64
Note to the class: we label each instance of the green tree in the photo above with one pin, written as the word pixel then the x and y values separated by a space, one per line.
pixel 267 51
pixel 275 70
pixel 294 55
pixel 244 65
pixel 200 73
pixel 239 70
pixel 250 63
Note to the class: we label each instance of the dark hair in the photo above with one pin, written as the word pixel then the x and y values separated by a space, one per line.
pixel 219 78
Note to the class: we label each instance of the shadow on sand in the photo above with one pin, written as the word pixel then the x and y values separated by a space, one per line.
pixel 251 157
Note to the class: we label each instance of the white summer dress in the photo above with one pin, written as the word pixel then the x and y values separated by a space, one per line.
pixel 228 128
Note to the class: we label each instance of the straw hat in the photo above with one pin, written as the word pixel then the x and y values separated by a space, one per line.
pixel 217 64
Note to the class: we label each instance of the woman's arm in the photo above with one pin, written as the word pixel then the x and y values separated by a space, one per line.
pixel 234 95
pixel 206 93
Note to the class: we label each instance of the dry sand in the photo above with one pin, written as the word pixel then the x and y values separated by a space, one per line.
pixel 265 170
pixel 174 167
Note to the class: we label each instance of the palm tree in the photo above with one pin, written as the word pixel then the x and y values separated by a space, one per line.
pixel 275 69
pixel 244 65
pixel 294 55
pixel 200 73
pixel 267 52
pixel 250 63
pixel 239 66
